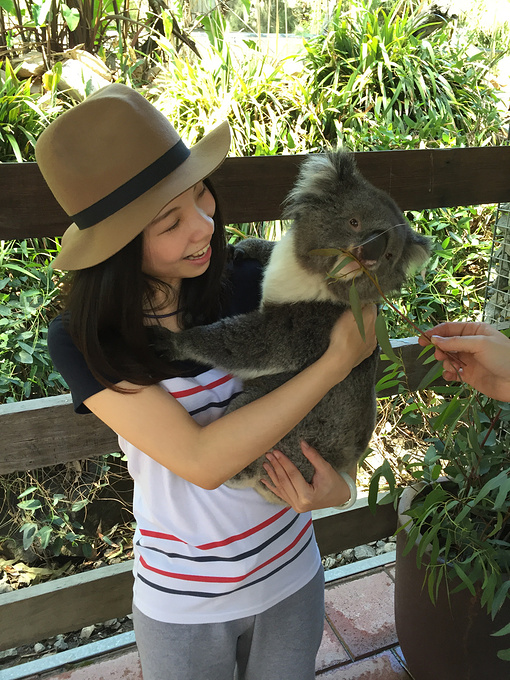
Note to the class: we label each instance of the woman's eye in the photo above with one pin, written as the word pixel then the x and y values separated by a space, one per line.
pixel 171 227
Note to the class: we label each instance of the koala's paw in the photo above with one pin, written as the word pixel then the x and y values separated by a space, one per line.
pixel 163 342
pixel 260 488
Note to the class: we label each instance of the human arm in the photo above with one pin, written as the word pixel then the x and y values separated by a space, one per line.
pixel 477 354
pixel 327 488
pixel 158 425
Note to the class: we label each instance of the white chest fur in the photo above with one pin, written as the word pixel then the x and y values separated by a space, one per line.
pixel 286 281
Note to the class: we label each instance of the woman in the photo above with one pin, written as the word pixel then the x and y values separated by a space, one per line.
pixel 223 579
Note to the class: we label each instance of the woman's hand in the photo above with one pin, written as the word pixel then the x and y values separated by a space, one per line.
pixel 346 348
pixel 327 488
pixel 477 354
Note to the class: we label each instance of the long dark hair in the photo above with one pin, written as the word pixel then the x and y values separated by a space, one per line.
pixel 103 310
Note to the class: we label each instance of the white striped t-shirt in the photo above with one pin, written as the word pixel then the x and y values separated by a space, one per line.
pixel 204 556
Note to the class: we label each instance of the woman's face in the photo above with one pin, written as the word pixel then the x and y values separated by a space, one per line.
pixel 177 240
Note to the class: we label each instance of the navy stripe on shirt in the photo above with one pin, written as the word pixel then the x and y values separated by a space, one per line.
pixel 209 594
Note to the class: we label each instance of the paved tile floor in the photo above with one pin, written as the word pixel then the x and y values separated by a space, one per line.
pixel 359 641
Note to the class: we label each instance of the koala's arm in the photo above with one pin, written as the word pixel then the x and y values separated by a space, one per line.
pixel 254 248
pixel 252 345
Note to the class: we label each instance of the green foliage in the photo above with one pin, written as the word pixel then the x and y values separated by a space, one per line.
pixel 267 108
pixel 22 119
pixel 378 84
pixel 124 33
pixel 63 24
pixel 27 300
pixel 452 286
pixel 460 518
pixel 52 510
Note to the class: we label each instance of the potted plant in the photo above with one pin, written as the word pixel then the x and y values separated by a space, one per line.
pixel 452 585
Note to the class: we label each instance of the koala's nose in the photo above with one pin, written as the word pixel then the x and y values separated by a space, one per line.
pixel 374 247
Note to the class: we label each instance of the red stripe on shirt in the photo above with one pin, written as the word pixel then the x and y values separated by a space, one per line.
pixel 226 541
pixel 201 388
pixel 226 579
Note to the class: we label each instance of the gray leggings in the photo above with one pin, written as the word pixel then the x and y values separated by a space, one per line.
pixel 279 644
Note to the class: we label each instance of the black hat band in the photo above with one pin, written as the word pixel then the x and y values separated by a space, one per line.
pixel 133 188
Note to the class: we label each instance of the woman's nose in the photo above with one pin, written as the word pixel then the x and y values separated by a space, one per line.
pixel 203 224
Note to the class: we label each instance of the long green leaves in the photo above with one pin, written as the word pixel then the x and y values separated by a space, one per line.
pixel 380 85
pixel 21 118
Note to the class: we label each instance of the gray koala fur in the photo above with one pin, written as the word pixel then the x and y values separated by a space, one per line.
pixel 332 206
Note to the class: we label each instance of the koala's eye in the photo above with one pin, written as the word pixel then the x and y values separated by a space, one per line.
pixel 354 223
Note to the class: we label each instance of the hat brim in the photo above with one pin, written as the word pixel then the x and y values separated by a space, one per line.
pixel 83 248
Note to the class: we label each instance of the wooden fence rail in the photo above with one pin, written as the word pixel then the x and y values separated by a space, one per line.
pixel 43 432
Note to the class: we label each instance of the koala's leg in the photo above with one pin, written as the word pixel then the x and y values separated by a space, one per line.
pixel 280 338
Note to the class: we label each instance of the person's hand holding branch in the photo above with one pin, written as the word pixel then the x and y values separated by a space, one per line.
pixel 473 352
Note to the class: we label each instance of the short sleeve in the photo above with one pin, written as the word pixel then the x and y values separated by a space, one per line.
pixel 71 365
pixel 245 279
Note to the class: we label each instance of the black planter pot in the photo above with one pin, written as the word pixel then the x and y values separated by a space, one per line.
pixel 450 640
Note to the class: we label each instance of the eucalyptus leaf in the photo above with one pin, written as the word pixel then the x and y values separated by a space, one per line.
pixel 504 490
pixel 491 484
pixel 464 578
pixel 433 374
pixel 381 332
pixel 385 471
pixel 357 310
pixel 341 265
pixel 502 631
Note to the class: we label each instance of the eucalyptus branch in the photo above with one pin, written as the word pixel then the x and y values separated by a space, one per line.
pixel 377 286
pixel 494 421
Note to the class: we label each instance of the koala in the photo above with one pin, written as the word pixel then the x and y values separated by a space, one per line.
pixel 332 206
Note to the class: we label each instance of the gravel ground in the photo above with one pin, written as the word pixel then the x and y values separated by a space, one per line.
pixel 362 552
pixel 61 643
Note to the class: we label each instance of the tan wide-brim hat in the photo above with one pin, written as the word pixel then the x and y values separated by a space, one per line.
pixel 113 162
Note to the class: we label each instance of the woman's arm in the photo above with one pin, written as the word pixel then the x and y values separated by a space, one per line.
pixel 154 422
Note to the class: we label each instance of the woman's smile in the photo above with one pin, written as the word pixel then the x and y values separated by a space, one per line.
pixel 201 255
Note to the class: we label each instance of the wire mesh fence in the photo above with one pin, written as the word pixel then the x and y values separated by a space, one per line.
pixel 497 298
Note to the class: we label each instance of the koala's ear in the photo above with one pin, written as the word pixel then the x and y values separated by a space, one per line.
pixel 320 175
pixel 418 252
pixel 344 163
